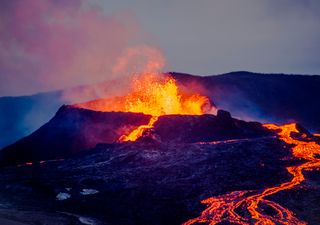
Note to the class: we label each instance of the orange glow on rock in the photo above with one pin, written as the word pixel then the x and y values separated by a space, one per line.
pixel 224 208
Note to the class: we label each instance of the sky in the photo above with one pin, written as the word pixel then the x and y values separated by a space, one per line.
pixel 217 36
pixel 52 44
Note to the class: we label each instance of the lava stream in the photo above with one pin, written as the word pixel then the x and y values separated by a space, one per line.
pixel 225 208
pixel 136 133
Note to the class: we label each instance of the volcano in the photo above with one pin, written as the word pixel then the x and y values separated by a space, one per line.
pixel 281 98
pixel 160 155
pixel 174 117
pixel 73 130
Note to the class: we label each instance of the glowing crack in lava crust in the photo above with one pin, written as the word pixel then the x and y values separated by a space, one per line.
pixel 224 208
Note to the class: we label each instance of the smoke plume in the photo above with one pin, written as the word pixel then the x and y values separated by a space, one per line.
pixel 55 44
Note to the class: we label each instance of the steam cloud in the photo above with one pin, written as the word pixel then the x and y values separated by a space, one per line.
pixel 138 60
pixel 53 44
pixel 131 62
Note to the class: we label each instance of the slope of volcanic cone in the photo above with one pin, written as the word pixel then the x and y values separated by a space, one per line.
pixel 204 128
pixel 70 131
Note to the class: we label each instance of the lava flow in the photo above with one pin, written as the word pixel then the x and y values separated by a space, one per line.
pixel 225 208
pixel 136 133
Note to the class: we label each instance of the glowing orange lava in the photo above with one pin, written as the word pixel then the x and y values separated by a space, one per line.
pixel 224 208
pixel 136 133
pixel 160 96
pixel 154 95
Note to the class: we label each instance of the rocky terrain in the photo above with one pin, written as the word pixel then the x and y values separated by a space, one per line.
pixel 249 96
pixel 140 183
pixel 60 174
pixel 73 130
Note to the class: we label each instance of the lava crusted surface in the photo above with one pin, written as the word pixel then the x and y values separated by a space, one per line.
pixel 143 183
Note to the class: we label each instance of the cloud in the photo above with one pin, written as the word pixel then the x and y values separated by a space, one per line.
pixel 52 44
pixel 141 59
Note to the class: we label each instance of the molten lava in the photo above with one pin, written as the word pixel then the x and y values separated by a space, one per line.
pixel 225 208
pixel 154 95
pixel 136 133
pixel 160 96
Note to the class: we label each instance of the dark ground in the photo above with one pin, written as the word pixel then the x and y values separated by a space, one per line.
pixel 144 183
pixel 150 182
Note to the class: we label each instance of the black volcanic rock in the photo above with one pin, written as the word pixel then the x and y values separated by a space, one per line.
pixel 73 130
pixel 224 115
pixel 204 128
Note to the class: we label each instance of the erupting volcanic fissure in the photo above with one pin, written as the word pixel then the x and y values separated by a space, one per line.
pixel 160 96
pixel 225 208
pixel 154 95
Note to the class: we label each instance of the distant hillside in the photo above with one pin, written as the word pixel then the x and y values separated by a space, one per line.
pixel 19 116
pixel 249 96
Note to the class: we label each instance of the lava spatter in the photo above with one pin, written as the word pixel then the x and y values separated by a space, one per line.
pixel 225 208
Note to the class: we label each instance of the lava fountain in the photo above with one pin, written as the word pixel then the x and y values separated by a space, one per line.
pixel 157 97
pixel 154 95
pixel 225 208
